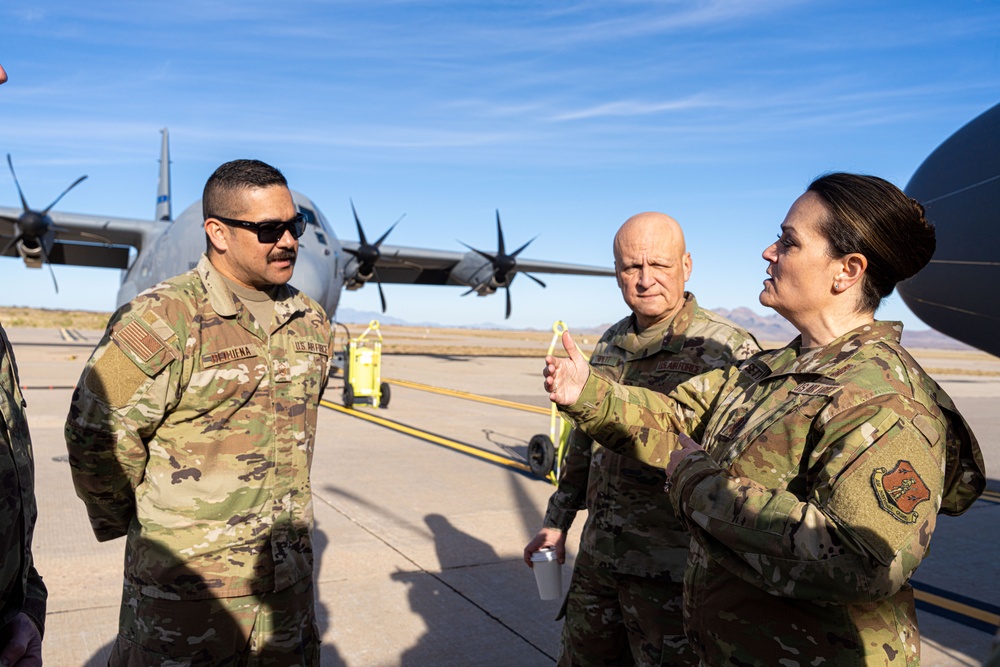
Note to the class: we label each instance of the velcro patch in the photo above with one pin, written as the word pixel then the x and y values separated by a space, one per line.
pixel 142 343
pixel 227 355
pixel 311 347
pixel 816 389
pixel 757 370
pixel 605 360
pixel 114 378
pixel 677 366
pixel 879 498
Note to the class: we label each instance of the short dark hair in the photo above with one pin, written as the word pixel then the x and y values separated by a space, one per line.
pixel 871 216
pixel 218 197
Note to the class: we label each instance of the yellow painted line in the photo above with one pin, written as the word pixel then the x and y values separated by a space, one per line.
pixel 430 437
pixel 958 607
pixel 469 397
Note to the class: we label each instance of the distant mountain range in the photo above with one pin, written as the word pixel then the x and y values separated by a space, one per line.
pixel 772 328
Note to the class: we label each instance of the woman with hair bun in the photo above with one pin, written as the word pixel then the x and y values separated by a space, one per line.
pixel 822 465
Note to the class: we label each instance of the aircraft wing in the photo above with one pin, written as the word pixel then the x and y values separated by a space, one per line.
pixel 422 266
pixel 73 238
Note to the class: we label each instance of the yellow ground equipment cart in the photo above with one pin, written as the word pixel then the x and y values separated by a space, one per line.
pixel 547 452
pixel 363 370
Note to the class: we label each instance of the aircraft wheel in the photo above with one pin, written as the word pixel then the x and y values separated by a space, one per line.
pixel 348 396
pixel 384 391
pixel 541 455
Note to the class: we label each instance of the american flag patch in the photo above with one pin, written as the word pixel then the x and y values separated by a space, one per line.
pixel 139 341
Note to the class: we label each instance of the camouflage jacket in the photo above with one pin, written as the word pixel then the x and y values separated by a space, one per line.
pixel 631 527
pixel 814 501
pixel 191 431
pixel 21 589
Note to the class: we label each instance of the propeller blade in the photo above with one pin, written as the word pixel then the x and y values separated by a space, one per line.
pixel 525 273
pixel 500 248
pixel 381 295
pixel 10 245
pixel 471 290
pixel 24 202
pixel 480 253
pixel 56 200
pixel 516 252
pixel 52 272
pixel 507 291
pixel 382 238
pixel 361 232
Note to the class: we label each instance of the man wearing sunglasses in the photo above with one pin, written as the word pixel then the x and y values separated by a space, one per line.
pixel 191 433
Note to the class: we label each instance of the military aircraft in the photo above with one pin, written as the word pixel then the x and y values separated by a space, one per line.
pixel 959 186
pixel 149 251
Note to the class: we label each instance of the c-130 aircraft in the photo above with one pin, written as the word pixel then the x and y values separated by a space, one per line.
pixel 165 247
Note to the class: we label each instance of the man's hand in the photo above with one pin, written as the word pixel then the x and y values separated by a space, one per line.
pixel 687 447
pixel 564 378
pixel 547 537
pixel 24 643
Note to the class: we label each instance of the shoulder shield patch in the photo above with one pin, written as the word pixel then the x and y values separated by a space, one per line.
pixel 900 490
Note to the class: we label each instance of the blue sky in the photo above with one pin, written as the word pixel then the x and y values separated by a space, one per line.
pixel 568 116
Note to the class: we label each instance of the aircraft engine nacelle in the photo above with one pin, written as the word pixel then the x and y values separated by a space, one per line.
pixel 354 277
pixel 479 275
pixel 34 250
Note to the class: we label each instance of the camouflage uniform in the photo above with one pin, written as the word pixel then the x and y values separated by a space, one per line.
pixel 191 432
pixel 21 589
pixel 814 500
pixel 624 601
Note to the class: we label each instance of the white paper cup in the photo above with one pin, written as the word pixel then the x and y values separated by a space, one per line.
pixel 548 573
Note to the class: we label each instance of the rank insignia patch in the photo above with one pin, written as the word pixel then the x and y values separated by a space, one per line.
pixel 900 490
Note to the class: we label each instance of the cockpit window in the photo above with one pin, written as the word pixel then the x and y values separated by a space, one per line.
pixel 308 214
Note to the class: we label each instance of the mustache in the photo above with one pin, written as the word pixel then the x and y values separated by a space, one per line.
pixel 282 255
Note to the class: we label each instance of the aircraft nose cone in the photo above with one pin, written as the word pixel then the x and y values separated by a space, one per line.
pixel 311 276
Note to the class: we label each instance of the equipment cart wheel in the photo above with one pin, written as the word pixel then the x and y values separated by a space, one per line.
pixel 384 391
pixel 541 455
pixel 348 396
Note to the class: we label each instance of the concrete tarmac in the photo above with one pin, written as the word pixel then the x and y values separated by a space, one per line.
pixel 419 546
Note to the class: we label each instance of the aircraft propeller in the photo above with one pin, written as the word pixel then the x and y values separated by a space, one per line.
pixel 504 265
pixel 33 226
pixel 367 253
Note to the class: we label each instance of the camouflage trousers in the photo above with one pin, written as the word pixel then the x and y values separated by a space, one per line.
pixel 273 629
pixel 615 619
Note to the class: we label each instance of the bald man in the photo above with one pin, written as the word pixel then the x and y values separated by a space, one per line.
pixel 624 601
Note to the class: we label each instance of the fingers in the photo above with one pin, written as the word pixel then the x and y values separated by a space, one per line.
pixel 572 350
pixel 687 442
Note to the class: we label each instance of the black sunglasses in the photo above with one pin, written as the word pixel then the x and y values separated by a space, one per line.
pixel 268 231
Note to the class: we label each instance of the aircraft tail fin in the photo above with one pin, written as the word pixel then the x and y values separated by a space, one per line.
pixel 163 189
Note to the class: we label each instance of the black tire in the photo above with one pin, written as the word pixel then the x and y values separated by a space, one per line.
pixel 385 393
pixel 348 396
pixel 541 456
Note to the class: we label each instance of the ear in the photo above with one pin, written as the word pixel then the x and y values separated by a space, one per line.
pixel 218 235
pixel 688 265
pixel 852 270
